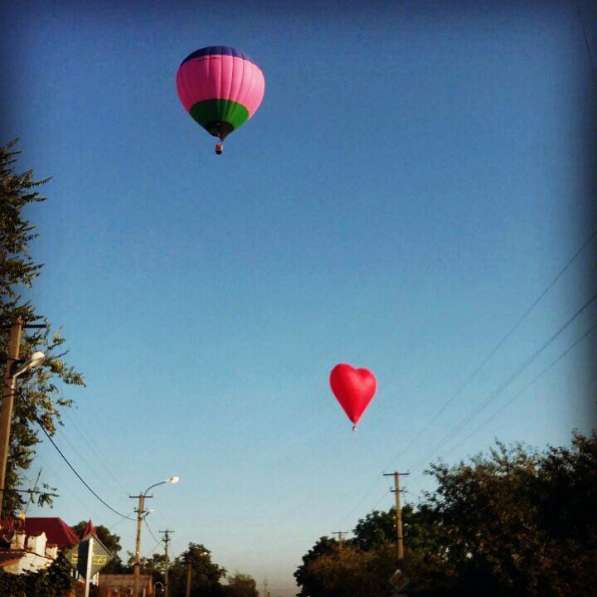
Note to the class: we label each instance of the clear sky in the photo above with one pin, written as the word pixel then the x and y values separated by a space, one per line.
pixel 415 178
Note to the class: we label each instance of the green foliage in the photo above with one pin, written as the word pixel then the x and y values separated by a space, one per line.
pixel 154 565
pixel 521 523
pixel 241 585
pixel 110 541
pixel 348 571
pixel 306 576
pixel 375 530
pixel 514 523
pixel 55 581
pixel 39 394
pixel 206 575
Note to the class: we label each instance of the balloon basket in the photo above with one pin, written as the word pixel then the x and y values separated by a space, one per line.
pixel 219 148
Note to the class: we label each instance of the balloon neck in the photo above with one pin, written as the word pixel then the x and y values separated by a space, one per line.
pixel 219 129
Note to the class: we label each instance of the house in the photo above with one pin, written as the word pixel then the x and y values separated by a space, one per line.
pixel 32 544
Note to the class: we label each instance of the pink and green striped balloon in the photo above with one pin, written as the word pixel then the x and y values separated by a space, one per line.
pixel 221 88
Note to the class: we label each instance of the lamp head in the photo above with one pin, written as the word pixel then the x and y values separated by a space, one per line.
pixel 37 358
pixel 173 480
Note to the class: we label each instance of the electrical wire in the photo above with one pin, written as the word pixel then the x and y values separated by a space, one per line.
pixel 497 347
pixel 84 433
pixel 83 460
pixel 149 529
pixel 514 375
pixel 483 363
pixel 526 387
pixel 586 38
pixel 72 468
pixel 157 541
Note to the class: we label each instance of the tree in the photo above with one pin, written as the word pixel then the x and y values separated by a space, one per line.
pixel 376 529
pixel 241 585
pixel 39 396
pixel 306 576
pixel 352 572
pixel 514 523
pixel 55 581
pixel 205 574
pixel 520 522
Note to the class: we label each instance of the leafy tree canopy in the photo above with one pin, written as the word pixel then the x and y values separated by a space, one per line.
pixel 55 581
pixel 39 396
pixel 514 522
pixel 241 585
pixel 205 574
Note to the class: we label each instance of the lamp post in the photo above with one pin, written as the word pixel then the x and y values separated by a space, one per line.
pixel 141 513
pixel 14 368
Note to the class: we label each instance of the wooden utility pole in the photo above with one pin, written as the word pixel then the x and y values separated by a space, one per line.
pixel 166 541
pixel 340 535
pixel 137 569
pixel 341 538
pixel 399 535
pixel 140 516
pixel 8 395
pixel 189 577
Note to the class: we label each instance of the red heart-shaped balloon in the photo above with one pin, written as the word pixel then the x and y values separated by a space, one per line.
pixel 353 388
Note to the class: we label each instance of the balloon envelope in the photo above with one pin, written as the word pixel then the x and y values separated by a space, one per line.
pixel 220 87
pixel 353 388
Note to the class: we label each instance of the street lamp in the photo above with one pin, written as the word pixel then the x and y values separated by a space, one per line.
pixel 15 367
pixel 21 366
pixel 141 513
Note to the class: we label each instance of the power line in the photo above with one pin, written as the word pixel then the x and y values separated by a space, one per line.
pixel 35 485
pixel 61 434
pixel 157 541
pixel 516 373
pixel 586 39
pixel 527 386
pixel 363 499
pixel 497 347
pixel 93 448
pixel 484 362
pixel 58 479
pixel 72 468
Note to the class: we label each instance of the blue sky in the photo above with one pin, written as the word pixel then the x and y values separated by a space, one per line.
pixel 414 179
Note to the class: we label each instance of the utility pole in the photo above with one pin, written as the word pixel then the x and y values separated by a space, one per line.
pixel 341 538
pixel 140 516
pixel 8 396
pixel 189 577
pixel 265 590
pixel 399 535
pixel 340 535
pixel 166 540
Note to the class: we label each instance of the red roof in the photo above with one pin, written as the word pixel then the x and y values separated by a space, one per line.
pixel 88 530
pixel 56 530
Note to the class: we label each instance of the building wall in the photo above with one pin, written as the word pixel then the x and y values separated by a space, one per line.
pixel 30 562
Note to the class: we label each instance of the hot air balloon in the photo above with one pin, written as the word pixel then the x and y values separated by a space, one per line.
pixel 354 390
pixel 221 88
